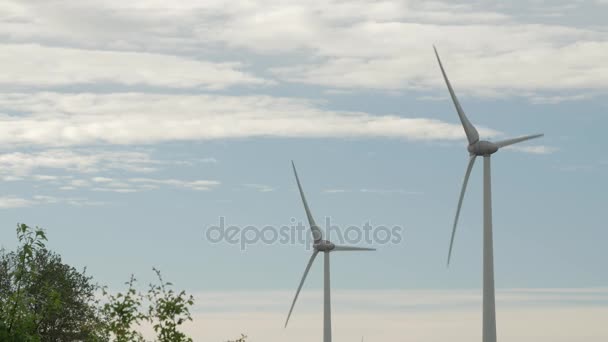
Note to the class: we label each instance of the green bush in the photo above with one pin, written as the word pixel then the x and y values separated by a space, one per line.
pixel 44 300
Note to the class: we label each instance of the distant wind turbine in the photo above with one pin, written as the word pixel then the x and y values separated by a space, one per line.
pixel 486 149
pixel 326 247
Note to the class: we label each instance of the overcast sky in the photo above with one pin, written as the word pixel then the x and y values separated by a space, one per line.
pixel 128 128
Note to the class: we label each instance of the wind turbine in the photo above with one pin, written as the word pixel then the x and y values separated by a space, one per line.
pixel 486 149
pixel 326 247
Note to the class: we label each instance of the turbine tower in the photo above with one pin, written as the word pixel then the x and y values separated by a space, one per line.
pixel 485 149
pixel 325 247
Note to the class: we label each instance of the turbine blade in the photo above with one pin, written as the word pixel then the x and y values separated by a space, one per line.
pixel 508 142
pixel 462 192
pixel 351 248
pixel 316 232
pixel 469 129
pixel 312 259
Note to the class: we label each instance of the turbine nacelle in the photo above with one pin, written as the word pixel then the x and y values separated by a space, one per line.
pixel 324 246
pixel 486 149
pixel 482 148
pixel 476 148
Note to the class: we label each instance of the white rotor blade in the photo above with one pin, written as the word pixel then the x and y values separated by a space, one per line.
pixel 351 248
pixel 316 232
pixel 508 142
pixel 469 129
pixel 462 192
pixel 312 259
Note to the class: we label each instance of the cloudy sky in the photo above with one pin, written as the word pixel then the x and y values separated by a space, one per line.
pixel 128 128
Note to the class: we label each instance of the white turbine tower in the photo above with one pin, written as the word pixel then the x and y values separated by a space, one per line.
pixel 326 247
pixel 486 149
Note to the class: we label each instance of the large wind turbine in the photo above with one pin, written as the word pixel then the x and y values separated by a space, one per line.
pixel 486 149
pixel 326 247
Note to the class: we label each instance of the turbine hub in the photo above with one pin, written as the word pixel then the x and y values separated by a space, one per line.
pixel 324 246
pixel 482 148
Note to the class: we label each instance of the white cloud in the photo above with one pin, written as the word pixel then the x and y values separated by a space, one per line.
pixel 209 160
pixel 40 66
pixel 19 166
pixel 131 185
pixel 534 149
pixel 74 201
pixel 136 118
pixel 84 161
pixel 199 185
pixel 79 183
pixel 10 178
pixel 117 190
pixel 14 202
pixel 101 179
pixel 9 202
pixel 335 191
pixel 543 61
pixel 259 187
pixel 557 99
pixel 45 177
pixel 361 44
pixel 387 45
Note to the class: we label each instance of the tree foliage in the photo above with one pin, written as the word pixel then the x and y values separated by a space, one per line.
pixel 43 299
pixel 243 338
pixel 122 314
pixel 166 311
